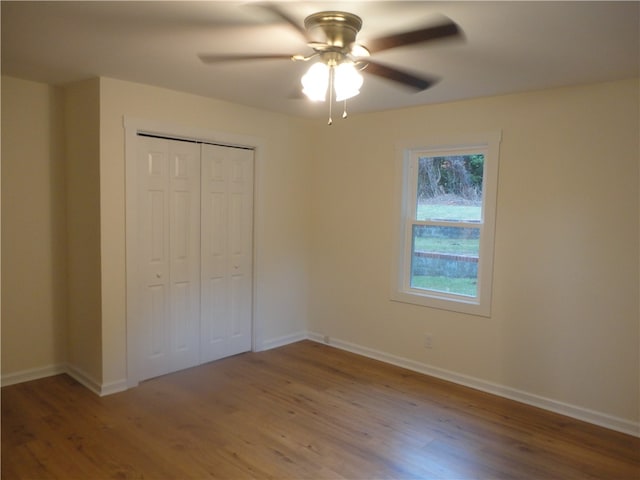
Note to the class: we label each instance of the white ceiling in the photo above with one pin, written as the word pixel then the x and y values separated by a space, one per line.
pixel 508 47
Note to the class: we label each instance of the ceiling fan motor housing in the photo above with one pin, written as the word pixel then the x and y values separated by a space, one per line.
pixel 336 29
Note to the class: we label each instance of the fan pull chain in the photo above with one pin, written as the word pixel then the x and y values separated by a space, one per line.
pixel 330 122
pixel 344 113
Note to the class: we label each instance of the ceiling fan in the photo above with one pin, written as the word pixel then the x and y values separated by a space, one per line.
pixel 338 57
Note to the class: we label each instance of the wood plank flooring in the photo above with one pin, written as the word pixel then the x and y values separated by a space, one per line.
pixel 303 411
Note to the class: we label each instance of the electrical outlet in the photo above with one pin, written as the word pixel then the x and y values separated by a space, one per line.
pixel 428 340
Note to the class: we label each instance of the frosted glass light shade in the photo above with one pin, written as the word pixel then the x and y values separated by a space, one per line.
pixel 315 82
pixel 347 81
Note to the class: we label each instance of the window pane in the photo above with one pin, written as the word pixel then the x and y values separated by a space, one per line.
pixel 445 259
pixel 450 188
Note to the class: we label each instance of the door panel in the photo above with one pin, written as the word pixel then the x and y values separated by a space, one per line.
pixel 156 297
pixel 184 242
pixel 227 253
pixel 168 249
pixel 153 255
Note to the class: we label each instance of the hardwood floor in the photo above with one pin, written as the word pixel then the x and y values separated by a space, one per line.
pixel 305 410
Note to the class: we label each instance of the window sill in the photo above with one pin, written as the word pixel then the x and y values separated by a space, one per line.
pixel 451 303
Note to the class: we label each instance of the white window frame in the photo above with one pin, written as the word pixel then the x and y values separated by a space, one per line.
pixel 407 154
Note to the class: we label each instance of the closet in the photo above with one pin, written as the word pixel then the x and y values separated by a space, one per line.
pixel 193 254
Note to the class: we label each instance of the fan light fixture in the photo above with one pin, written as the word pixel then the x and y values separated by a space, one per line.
pixel 336 72
pixel 342 81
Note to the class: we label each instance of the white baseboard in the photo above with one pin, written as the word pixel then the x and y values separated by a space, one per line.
pixel 99 388
pixel 580 413
pixel 76 373
pixel 32 374
pixel 84 378
pixel 282 341
pixel 113 387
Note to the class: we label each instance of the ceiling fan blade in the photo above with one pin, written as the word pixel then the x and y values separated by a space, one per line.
pixel 216 58
pixel 407 79
pixel 275 9
pixel 434 32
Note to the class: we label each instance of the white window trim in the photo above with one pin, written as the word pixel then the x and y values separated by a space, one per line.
pixel 402 216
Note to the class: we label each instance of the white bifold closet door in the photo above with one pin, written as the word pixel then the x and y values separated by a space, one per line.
pixel 227 251
pixel 195 211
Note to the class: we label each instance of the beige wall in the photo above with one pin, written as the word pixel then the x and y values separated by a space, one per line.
pixel 281 204
pixel 82 116
pixel 565 317
pixel 34 313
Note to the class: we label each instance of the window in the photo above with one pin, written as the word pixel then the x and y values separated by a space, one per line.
pixel 446 200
